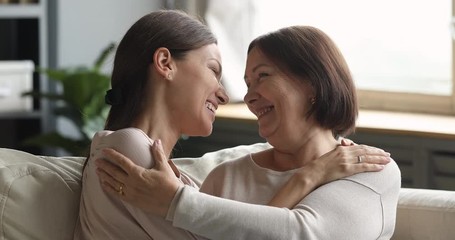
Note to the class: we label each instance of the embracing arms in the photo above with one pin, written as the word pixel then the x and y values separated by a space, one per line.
pixel 336 164
pixel 154 189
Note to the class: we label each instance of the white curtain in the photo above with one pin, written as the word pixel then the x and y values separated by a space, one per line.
pixel 232 21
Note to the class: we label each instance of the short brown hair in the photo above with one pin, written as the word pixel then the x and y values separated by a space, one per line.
pixel 309 54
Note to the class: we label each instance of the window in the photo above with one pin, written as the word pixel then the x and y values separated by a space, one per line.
pixel 399 51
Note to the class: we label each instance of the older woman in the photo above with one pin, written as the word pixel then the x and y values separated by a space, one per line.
pixel 301 90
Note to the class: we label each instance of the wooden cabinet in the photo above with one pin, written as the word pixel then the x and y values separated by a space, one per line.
pixel 424 162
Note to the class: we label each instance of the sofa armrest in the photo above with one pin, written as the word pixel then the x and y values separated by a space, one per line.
pixel 425 214
pixel 39 196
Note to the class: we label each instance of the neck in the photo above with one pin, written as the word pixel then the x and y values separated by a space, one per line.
pixel 289 156
pixel 155 120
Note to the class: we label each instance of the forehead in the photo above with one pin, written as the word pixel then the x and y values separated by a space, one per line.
pixel 256 55
pixel 255 59
pixel 210 51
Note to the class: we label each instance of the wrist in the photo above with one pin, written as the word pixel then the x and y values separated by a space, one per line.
pixel 305 181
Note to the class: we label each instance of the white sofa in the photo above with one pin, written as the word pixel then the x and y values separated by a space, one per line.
pixel 39 197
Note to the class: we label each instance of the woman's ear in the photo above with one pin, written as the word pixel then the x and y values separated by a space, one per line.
pixel 163 63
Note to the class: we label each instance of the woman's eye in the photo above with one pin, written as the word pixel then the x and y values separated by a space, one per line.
pixel 262 75
pixel 214 69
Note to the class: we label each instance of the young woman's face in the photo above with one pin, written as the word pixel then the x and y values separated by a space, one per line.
pixel 279 101
pixel 199 91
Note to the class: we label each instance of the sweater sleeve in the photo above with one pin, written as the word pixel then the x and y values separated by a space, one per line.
pixel 339 210
pixel 135 145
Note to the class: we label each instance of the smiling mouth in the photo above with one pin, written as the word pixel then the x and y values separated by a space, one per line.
pixel 264 111
pixel 210 107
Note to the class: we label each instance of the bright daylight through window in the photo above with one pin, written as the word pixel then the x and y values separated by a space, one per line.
pixel 391 46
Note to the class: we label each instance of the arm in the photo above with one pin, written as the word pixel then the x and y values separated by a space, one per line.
pixel 215 217
pixel 336 164
pixel 327 213
pixel 133 144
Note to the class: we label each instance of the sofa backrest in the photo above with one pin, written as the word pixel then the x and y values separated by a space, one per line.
pixel 39 196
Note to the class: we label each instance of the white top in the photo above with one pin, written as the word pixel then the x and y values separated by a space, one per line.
pixel 358 207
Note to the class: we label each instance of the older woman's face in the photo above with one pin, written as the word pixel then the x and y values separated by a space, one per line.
pixel 279 100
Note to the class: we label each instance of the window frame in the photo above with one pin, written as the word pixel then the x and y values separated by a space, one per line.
pixel 412 102
pixel 390 101
pixel 406 102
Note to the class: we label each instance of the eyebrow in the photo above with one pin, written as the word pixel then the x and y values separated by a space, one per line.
pixel 256 68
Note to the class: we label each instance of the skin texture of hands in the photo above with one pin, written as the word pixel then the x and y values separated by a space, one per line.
pixel 338 163
pixel 139 185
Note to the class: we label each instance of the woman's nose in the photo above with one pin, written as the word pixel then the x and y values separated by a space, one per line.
pixel 222 96
pixel 250 97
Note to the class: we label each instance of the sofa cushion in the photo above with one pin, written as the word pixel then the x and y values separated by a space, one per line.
pixel 425 214
pixel 39 196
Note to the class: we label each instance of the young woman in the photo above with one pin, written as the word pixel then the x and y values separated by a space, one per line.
pixel 165 83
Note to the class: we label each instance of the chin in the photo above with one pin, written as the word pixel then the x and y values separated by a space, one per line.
pixel 264 133
pixel 206 131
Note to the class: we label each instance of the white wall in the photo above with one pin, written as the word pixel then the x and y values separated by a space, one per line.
pixel 85 27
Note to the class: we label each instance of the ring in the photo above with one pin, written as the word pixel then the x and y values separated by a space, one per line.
pixel 120 190
pixel 359 159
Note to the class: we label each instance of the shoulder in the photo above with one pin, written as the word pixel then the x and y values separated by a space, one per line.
pixel 372 189
pixel 384 181
pixel 231 166
pixel 353 208
pixel 122 135
pixel 131 142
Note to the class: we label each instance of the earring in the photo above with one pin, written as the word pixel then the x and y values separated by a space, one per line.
pixel 312 100
pixel 169 77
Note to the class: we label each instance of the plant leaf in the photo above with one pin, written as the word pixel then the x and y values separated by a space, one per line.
pixel 54 74
pixel 79 88
pixel 103 56
pixel 53 139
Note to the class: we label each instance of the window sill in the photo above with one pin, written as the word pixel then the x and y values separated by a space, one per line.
pixel 410 124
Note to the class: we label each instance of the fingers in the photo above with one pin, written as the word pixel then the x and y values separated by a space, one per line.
pixel 371 155
pixel 111 190
pixel 161 160
pixel 367 150
pixel 110 169
pixel 158 154
pixel 109 183
pixel 347 142
pixel 375 159
pixel 366 167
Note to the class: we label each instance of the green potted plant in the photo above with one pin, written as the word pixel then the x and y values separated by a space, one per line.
pixel 81 101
